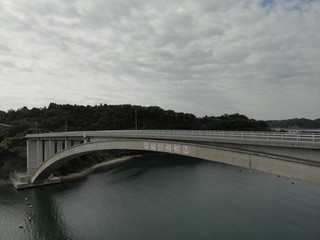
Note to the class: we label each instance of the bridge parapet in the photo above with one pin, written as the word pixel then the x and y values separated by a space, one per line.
pixel 311 140
pixel 40 147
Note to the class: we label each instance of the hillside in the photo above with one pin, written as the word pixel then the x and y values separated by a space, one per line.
pixel 296 123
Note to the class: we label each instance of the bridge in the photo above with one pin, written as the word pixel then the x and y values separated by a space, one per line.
pixel 291 155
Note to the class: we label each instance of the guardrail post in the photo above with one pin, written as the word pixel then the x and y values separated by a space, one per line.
pixel 313 140
pixel 84 139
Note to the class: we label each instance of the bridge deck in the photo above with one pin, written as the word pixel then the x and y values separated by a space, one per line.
pixel 309 140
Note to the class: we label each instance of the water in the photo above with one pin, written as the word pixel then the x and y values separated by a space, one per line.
pixel 165 197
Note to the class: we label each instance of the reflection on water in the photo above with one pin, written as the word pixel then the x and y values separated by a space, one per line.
pixel 39 215
pixel 165 197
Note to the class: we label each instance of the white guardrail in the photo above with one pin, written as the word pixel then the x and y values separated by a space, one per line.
pixel 287 137
pixel 312 138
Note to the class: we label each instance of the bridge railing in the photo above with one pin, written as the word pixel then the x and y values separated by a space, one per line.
pixel 268 137
pixel 313 138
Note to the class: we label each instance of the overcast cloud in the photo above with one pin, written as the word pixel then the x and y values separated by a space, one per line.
pixel 206 57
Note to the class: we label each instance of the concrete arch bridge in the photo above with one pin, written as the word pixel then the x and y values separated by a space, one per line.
pixel 292 155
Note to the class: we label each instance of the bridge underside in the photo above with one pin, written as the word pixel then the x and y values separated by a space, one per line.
pixel 296 168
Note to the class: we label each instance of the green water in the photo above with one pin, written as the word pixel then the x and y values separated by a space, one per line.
pixel 165 197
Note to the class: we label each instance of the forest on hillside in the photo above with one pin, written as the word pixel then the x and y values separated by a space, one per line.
pixel 57 117
pixel 295 123
pixel 14 124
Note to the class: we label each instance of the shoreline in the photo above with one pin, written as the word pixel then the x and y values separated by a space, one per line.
pixel 4 183
pixel 90 170
pixel 86 172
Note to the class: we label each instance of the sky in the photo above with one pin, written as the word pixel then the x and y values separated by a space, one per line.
pixel 260 58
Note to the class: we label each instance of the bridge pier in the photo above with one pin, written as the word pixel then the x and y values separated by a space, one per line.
pixel 49 149
pixel 59 146
pixel 38 151
pixel 31 156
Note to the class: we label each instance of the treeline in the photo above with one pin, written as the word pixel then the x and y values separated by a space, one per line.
pixel 55 118
pixel 296 123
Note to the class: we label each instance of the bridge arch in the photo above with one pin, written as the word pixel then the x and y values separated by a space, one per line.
pixel 242 158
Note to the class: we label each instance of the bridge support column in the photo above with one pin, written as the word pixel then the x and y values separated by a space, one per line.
pixel 31 156
pixel 51 148
pixel 40 153
pixel 48 149
pixel 67 144
pixel 37 152
pixel 59 146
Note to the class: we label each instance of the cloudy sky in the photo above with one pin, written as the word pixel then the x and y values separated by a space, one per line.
pixel 260 58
